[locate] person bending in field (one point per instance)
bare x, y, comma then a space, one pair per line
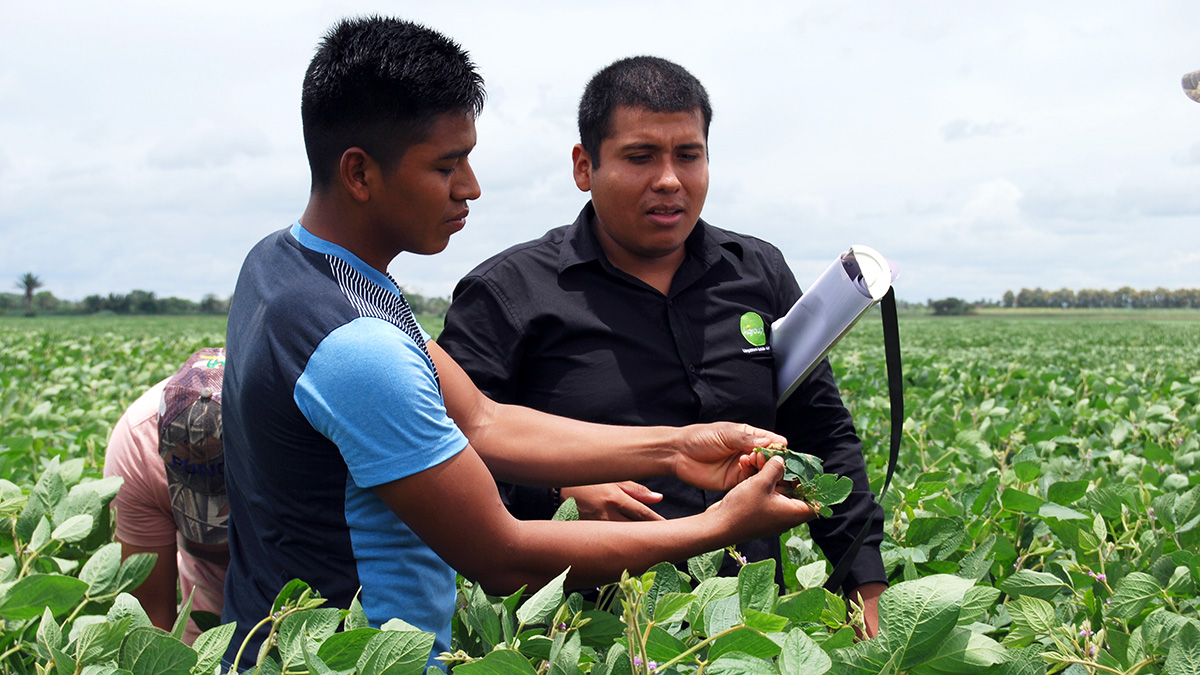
359, 456
167, 448
636, 314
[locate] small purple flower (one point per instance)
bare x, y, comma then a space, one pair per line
1092, 650
637, 661
562, 626
652, 666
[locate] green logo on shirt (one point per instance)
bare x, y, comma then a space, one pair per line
752, 329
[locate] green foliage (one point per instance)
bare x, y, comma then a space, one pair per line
809, 481
1045, 518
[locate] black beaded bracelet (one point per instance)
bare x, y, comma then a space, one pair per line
555, 498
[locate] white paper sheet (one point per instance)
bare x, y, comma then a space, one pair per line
825, 312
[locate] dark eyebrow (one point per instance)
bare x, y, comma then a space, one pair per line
456, 154
655, 146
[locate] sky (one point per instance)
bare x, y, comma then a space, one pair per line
981, 147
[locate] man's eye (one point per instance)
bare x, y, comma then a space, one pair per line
639, 159
688, 157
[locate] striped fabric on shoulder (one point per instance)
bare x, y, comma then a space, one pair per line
378, 303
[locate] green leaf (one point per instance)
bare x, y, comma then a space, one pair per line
1032, 617
568, 510
41, 535
1051, 510
150, 651
305, 626
1016, 500
210, 647
918, 615
313, 663
125, 605
1133, 592
49, 634
939, 536
740, 664
722, 614
1184, 657
181, 618
745, 640
805, 607
134, 570
100, 571
661, 645
100, 642
672, 606
482, 617
763, 622
811, 575
341, 651
706, 565
29, 597
1037, 584
1027, 471
63, 663
976, 603
801, 654
709, 590
826, 490
976, 563
290, 594
601, 630
46, 494
963, 651
543, 603
666, 580
499, 662
564, 659
396, 653
1066, 492
756, 586
356, 617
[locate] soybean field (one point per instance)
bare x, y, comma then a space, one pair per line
1043, 519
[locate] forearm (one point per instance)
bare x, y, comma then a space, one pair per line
597, 551
157, 594
521, 445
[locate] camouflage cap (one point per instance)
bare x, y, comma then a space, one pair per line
189, 441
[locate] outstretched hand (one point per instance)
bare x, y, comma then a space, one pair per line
758, 509
718, 455
614, 501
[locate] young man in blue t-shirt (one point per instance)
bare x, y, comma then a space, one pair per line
358, 454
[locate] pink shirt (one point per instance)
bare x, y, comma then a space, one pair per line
143, 507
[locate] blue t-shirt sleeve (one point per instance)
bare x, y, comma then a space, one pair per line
371, 390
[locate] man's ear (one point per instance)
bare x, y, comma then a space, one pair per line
358, 173
581, 162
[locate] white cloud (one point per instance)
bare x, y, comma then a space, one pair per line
983, 147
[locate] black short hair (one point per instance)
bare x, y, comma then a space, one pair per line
379, 83
641, 82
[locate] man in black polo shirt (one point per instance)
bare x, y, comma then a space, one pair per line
640, 313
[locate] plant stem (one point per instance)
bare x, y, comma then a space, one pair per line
697, 646
246, 642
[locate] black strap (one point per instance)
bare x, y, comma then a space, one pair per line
891, 350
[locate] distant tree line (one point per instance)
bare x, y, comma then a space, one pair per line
1124, 297
32, 302
135, 302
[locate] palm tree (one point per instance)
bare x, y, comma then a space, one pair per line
29, 282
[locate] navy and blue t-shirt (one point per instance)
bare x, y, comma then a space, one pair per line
328, 392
